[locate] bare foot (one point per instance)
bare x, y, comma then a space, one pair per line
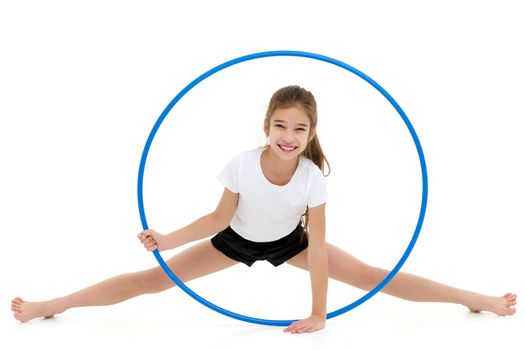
24, 311
501, 306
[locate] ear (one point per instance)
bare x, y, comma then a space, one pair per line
312, 134
266, 128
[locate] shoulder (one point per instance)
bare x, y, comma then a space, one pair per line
315, 182
237, 169
311, 169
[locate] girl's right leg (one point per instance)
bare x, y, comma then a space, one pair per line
197, 261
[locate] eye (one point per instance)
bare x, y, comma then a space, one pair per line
278, 126
300, 129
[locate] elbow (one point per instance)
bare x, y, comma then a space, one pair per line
318, 254
221, 221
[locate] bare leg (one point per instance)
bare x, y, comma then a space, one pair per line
194, 262
346, 268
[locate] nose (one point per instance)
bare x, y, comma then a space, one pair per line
288, 135
288, 138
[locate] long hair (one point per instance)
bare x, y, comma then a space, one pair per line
296, 96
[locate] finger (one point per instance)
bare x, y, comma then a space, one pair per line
147, 239
290, 327
150, 240
143, 234
150, 244
297, 328
294, 329
302, 329
290, 330
150, 248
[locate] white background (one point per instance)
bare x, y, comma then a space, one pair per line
81, 86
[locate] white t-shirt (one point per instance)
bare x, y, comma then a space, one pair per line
268, 212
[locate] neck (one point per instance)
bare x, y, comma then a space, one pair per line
279, 165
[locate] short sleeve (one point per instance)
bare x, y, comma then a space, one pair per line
229, 175
318, 192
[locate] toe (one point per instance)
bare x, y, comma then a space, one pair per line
510, 295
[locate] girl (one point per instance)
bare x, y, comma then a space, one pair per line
272, 208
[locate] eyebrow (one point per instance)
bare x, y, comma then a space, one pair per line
282, 121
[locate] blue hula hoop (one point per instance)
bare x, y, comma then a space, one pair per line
309, 55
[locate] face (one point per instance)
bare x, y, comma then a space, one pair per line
289, 132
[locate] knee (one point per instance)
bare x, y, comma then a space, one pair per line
371, 276
151, 281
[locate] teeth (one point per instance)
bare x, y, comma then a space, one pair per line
287, 148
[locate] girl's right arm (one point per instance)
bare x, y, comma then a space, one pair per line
201, 228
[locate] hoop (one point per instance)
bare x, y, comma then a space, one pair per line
309, 55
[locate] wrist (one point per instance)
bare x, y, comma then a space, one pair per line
319, 315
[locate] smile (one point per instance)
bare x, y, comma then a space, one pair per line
287, 149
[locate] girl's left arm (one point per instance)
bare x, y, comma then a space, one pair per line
318, 267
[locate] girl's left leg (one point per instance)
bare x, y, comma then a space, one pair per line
346, 268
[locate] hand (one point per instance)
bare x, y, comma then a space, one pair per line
152, 240
307, 325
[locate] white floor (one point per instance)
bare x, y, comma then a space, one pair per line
172, 320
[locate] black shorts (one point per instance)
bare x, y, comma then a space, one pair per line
276, 252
